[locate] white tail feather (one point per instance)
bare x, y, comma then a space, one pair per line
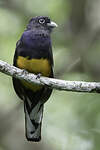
33, 122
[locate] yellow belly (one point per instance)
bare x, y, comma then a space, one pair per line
34, 66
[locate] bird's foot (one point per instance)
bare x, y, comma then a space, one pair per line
25, 71
38, 76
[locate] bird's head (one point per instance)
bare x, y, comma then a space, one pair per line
41, 23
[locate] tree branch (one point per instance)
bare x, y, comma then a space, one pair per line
75, 86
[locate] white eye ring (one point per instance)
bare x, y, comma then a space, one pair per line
42, 21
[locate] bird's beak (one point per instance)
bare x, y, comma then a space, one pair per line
52, 24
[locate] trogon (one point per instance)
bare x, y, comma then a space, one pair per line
34, 54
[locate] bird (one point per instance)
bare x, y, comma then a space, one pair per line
34, 54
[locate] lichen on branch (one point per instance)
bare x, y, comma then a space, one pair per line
75, 86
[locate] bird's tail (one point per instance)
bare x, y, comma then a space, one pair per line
33, 121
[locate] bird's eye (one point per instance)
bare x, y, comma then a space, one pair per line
41, 21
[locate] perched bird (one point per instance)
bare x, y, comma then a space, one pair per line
34, 54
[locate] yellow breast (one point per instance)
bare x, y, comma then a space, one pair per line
34, 66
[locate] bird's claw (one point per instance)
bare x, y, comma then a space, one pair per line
38, 76
25, 71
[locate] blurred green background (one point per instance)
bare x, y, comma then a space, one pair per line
71, 120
